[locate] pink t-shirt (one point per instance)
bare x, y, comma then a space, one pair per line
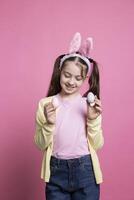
70, 139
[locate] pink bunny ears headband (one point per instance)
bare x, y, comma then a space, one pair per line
83, 49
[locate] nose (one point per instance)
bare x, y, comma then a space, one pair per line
71, 81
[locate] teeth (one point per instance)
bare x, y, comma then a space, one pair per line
70, 87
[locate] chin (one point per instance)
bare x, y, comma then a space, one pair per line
69, 92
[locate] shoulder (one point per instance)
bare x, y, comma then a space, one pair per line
84, 100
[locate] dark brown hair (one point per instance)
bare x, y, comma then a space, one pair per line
94, 78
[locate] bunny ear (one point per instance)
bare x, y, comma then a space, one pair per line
86, 47
75, 43
89, 45
83, 49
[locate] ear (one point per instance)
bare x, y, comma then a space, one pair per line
86, 77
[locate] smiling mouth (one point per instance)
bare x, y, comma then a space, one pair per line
68, 87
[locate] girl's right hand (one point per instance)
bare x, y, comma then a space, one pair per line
50, 113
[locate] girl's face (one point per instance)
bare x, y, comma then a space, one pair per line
71, 78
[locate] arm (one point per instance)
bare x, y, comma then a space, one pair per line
43, 130
94, 132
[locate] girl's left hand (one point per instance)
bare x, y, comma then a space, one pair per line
94, 111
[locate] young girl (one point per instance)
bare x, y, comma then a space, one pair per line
68, 128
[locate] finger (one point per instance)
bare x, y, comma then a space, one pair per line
51, 114
48, 112
98, 102
50, 107
96, 97
98, 109
52, 111
98, 113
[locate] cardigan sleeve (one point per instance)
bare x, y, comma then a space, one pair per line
94, 132
43, 130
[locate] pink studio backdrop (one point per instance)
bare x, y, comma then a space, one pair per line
32, 34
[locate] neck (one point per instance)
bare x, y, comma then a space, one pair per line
68, 96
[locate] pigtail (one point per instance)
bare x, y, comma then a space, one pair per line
94, 80
54, 86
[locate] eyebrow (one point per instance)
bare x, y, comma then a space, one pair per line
72, 74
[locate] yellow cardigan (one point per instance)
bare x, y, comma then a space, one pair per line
43, 138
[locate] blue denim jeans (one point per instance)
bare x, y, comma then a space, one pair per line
72, 179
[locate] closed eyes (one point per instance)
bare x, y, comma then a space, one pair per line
68, 75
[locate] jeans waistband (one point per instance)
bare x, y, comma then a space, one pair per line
79, 160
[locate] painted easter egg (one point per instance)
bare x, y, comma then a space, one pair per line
91, 98
55, 102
